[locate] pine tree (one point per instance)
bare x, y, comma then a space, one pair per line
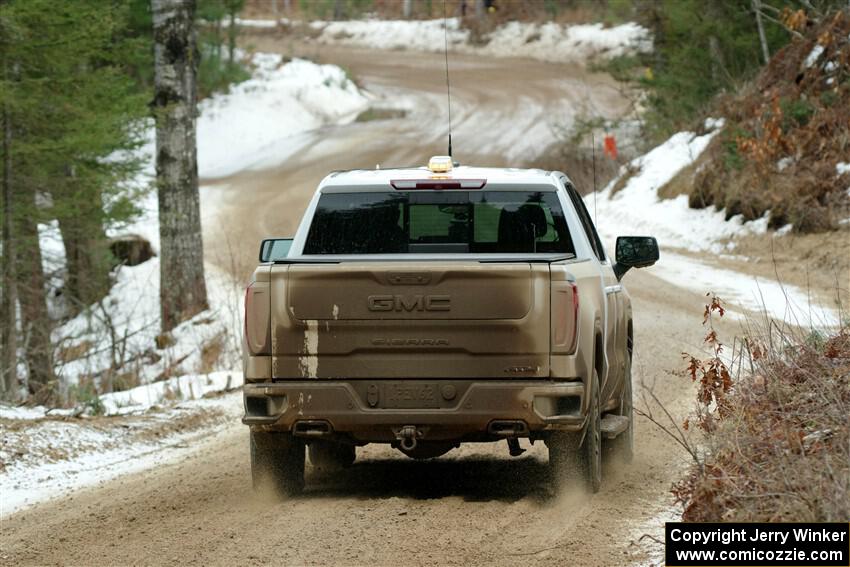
68, 105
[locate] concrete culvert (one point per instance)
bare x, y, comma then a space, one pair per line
130, 250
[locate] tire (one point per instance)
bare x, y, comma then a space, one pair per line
277, 459
331, 456
575, 456
622, 446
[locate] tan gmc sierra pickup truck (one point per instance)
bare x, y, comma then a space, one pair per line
427, 307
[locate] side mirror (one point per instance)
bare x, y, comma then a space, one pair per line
275, 249
635, 252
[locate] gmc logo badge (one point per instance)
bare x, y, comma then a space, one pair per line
409, 303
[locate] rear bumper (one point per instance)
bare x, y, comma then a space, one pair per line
456, 409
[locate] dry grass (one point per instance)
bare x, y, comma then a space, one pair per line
577, 163
565, 11
624, 179
210, 354
683, 182
779, 448
784, 135
66, 354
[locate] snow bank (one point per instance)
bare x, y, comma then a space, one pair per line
260, 24
637, 209
141, 398
417, 35
51, 458
255, 119
576, 43
548, 41
127, 323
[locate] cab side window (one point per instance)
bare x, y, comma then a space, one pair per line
586, 222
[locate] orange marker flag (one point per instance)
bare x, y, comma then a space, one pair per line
610, 146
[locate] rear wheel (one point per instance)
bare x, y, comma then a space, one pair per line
329, 455
575, 456
277, 459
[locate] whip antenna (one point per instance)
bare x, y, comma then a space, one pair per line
593, 153
448, 83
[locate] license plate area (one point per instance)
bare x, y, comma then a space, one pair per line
410, 395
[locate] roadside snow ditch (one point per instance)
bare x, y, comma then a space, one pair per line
637, 209
47, 456
549, 41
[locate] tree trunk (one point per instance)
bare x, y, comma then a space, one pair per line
480, 9
86, 251
9, 332
231, 37
183, 292
35, 321
762, 38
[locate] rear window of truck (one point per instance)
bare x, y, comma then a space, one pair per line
433, 222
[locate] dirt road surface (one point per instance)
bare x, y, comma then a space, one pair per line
474, 506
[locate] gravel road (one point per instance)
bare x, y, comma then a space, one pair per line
474, 506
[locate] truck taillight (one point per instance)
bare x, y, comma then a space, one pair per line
565, 312
247, 311
256, 330
575, 317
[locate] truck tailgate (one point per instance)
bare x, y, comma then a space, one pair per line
410, 320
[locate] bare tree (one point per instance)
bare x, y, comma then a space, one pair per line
480, 9
35, 320
762, 38
8, 349
183, 291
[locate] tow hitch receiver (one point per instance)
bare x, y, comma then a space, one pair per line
408, 437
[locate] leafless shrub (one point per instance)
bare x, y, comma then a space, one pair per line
777, 437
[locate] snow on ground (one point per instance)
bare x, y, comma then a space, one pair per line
256, 120
49, 458
141, 398
549, 41
253, 122
759, 296
261, 24
636, 209
573, 43
48, 453
415, 35
126, 327
813, 56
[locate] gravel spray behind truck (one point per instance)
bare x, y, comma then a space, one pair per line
428, 307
